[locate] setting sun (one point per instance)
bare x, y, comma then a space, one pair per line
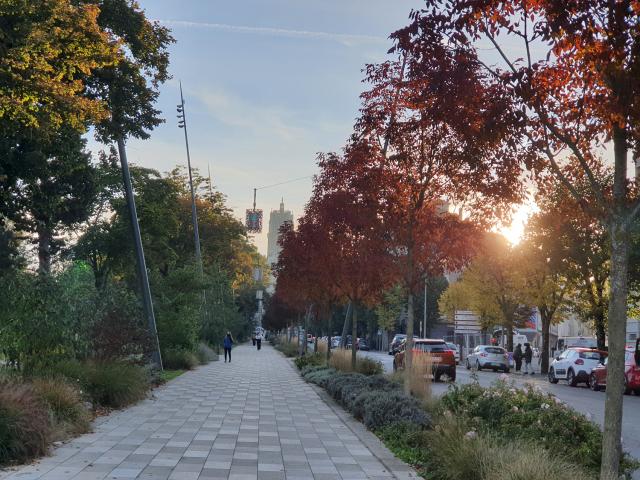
515, 230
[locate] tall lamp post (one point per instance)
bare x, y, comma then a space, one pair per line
147, 303
182, 123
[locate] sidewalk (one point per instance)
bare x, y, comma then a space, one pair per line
254, 418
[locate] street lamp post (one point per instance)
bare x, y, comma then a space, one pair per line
147, 302
182, 123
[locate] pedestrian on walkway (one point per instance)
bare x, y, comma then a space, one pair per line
228, 344
259, 339
528, 356
517, 357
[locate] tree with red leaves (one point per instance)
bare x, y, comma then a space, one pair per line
438, 132
346, 206
574, 86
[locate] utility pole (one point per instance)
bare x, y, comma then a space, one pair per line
182, 123
147, 303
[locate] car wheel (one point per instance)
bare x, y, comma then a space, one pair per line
507, 370
552, 376
571, 378
637, 392
478, 368
593, 383
468, 366
452, 376
436, 377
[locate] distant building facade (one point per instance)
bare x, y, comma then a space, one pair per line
277, 218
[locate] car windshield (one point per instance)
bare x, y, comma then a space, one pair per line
432, 347
494, 350
452, 346
590, 355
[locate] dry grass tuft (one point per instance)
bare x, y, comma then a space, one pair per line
322, 346
419, 376
70, 417
341, 360
25, 430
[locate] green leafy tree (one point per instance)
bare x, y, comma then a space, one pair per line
495, 292
49, 188
545, 278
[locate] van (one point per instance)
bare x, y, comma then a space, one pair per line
575, 342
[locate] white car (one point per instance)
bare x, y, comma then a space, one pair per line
488, 356
456, 351
575, 364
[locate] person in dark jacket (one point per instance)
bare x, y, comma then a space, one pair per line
528, 356
517, 357
228, 344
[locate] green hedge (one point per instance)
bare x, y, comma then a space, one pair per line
375, 400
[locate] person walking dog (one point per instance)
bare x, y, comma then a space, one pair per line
228, 344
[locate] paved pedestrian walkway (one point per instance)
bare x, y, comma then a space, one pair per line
254, 418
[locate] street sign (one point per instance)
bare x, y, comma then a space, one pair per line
465, 321
254, 220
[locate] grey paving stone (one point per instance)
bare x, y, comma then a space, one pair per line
252, 419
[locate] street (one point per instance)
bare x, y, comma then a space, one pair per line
581, 398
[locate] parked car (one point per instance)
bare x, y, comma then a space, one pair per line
310, 338
444, 362
394, 347
575, 365
598, 377
335, 341
456, 351
362, 345
488, 356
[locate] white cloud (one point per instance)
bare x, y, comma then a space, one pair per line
347, 39
261, 120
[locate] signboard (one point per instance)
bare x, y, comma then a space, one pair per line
466, 322
254, 221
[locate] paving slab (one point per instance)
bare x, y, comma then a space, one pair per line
251, 419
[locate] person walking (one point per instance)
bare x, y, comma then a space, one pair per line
528, 356
253, 338
228, 344
517, 357
259, 339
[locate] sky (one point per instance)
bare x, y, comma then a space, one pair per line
267, 86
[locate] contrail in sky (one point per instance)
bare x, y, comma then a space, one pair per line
346, 38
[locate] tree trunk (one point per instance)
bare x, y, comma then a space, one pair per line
345, 326
617, 329
617, 324
408, 351
328, 335
44, 250
599, 321
546, 328
354, 336
509, 337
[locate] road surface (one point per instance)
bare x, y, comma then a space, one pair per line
580, 398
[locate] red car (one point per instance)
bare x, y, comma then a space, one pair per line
598, 377
443, 358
